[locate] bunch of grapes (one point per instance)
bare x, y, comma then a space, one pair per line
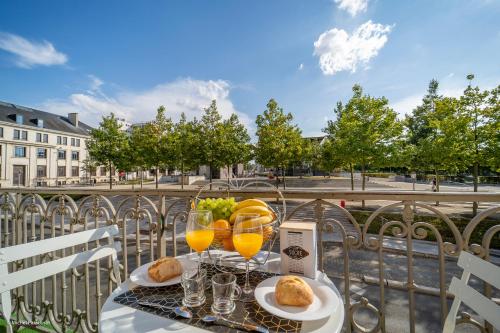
221, 208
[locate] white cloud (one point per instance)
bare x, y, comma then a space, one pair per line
183, 95
353, 7
301, 67
29, 53
338, 51
407, 104
95, 82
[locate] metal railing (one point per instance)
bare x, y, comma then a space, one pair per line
151, 221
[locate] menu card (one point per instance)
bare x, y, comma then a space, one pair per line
298, 248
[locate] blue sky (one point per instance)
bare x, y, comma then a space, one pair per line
96, 57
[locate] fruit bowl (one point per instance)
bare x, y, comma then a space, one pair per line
225, 209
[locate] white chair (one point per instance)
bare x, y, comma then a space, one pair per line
9, 281
482, 305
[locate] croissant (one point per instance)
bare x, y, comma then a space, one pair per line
164, 269
292, 290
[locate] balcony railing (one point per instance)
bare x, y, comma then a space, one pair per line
393, 264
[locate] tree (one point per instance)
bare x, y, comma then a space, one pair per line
476, 107
107, 145
235, 144
211, 139
364, 132
444, 149
89, 166
138, 150
182, 143
279, 141
156, 153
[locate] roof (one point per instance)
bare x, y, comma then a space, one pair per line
51, 121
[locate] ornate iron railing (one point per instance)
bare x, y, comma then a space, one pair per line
151, 221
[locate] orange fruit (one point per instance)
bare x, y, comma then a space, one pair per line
222, 229
228, 244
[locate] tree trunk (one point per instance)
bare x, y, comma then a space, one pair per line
210, 174
142, 177
284, 180
352, 176
363, 183
110, 178
182, 175
476, 181
437, 183
156, 177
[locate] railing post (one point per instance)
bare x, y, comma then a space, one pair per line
161, 245
318, 212
408, 219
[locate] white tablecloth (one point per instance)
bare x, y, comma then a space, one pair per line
120, 318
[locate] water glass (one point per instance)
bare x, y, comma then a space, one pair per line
193, 282
225, 292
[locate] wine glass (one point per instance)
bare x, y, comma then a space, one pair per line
247, 239
199, 231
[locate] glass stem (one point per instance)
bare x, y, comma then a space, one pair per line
247, 289
199, 263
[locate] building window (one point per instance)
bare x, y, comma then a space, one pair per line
61, 171
17, 134
45, 138
1, 132
75, 156
20, 135
75, 171
73, 142
61, 154
59, 141
103, 171
93, 171
19, 119
24, 135
41, 171
19, 151
41, 153
39, 123
78, 142
65, 140
38, 137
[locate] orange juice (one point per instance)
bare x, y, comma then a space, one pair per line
247, 244
200, 240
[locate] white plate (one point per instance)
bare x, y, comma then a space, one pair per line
325, 301
141, 277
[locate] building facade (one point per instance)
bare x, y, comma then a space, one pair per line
38, 148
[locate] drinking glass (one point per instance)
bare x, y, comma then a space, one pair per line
225, 292
247, 239
193, 282
199, 231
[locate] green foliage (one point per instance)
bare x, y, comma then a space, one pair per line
181, 143
279, 142
108, 145
365, 132
221, 142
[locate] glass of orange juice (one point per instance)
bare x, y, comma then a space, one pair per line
199, 231
247, 239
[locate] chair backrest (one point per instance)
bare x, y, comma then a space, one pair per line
9, 281
481, 304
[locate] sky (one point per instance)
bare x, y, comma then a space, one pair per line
128, 57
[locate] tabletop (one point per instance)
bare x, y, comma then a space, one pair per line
120, 318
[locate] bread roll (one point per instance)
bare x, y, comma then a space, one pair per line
164, 269
292, 290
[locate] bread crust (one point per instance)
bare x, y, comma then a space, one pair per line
164, 269
294, 291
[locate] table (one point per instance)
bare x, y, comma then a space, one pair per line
120, 318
